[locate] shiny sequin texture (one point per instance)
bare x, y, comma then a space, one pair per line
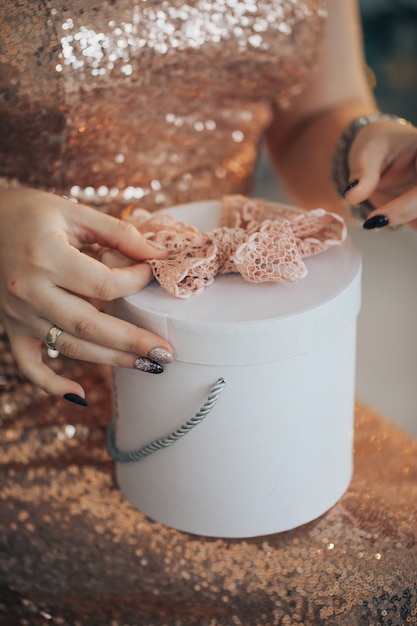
155, 103
152, 102
74, 552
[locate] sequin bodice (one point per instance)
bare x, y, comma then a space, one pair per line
152, 102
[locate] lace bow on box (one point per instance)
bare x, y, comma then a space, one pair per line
261, 240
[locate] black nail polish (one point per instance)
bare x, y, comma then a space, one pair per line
377, 221
144, 364
350, 186
72, 397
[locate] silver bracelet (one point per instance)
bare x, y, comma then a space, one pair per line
340, 166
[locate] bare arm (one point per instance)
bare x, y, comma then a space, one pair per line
301, 140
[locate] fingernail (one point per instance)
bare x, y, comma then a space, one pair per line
72, 397
377, 221
350, 186
144, 364
161, 355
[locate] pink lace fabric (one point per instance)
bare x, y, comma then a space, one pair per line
261, 240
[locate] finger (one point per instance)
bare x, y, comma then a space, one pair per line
86, 276
114, 259
27, 352
82, 320
366, 163
401, 210
113, 233
81, 350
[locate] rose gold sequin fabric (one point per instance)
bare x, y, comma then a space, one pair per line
74, 552
159, 101
152, 102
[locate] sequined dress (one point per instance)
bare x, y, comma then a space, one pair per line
154, 103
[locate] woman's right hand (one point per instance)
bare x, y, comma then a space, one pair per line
45, 281
383, 169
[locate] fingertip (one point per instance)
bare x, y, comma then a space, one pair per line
61, 387
126, 280
399, 211
141, 274
161, 355
135, 245
157, 250
376, 221
353, 183
75, 399
360, 188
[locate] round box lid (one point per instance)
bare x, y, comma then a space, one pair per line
233, 322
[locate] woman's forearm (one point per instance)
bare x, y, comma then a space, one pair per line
304, 161
302, 139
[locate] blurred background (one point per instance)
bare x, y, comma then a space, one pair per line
387, 324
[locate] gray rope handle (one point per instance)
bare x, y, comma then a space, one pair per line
130, 457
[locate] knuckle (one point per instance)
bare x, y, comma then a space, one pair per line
106, 289
16, 287
72, 349
131, 339
86, 329
35, 256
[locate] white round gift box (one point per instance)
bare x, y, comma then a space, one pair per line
275, 450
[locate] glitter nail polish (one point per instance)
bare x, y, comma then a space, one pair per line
144, 364
161, 355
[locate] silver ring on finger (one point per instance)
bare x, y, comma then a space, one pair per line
52, 337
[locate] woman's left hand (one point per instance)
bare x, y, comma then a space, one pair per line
383, 170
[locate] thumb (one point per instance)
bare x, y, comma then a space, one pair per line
116, 234
366, 163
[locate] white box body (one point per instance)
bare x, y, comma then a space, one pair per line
276, 451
